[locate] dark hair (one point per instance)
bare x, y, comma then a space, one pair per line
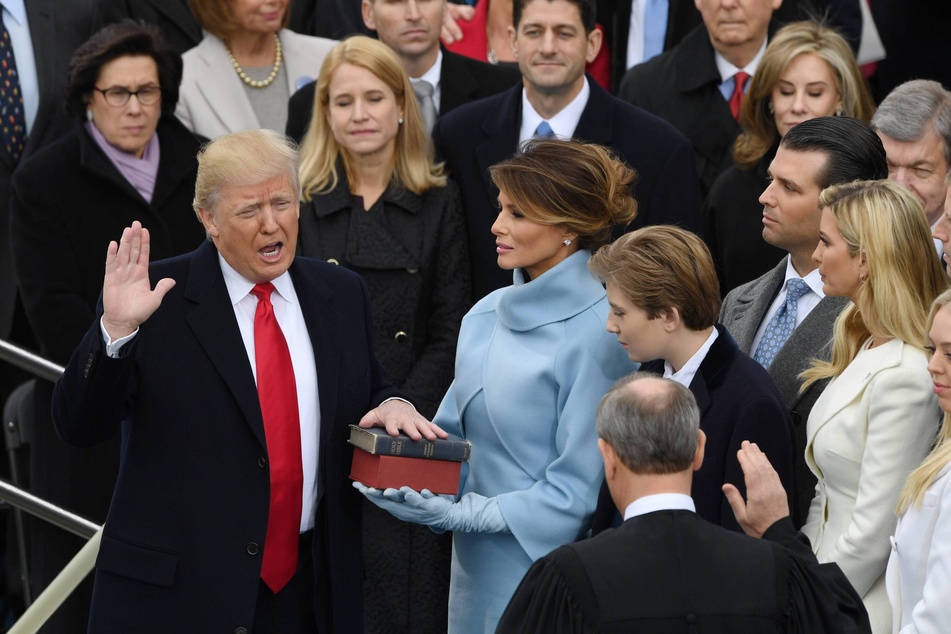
582, 187
122, 39
853, 151
587, 8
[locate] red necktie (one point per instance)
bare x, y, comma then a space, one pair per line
736, 99
277, 392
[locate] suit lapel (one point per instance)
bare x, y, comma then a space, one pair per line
751, 307
501, 131
42, 29
850, 384
214, 324
597, 118
456, 83
323, 326
813, 334
217, 86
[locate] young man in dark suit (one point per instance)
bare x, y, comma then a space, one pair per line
553, 40
234, 383
412, 29
666, 569
812, 156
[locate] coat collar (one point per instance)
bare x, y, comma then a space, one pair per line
340, 199
213, 321
565, 290
844, 389
457, 85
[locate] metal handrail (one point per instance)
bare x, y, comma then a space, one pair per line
50, 512
30, 362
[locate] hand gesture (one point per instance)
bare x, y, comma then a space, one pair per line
396, 416
450, 28
127, 296
765, 497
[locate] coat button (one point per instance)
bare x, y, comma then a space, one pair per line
333, 261
262, 461
412, 271
400, 337
241, 630
253, 548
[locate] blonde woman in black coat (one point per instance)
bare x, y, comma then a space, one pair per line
376, 203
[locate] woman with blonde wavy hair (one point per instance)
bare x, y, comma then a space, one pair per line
807, 71
918, 577
376, 203
875, 420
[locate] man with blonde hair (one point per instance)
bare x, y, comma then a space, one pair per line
234, 382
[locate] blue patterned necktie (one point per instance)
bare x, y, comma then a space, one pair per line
12, 119
781, 325
544, 131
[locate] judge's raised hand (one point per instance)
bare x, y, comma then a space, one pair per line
127, 296
765, 496
399, 416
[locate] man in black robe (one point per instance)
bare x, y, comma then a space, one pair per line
667, 570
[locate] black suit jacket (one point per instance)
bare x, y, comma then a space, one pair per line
181, 545
481, 134
461, 80
682, 86
737, 402
57, 29
179, 26
671, 572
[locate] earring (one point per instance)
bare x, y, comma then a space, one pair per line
862, 278
771, 108
88, 114
400, 120
567, 242
839, 110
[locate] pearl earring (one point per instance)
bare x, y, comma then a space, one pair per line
400, 120
838, 110
88, 114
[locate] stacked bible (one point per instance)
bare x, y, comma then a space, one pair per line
383, 461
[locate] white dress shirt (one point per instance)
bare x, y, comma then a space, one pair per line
685, 375
563, 124
433, 76
659, 502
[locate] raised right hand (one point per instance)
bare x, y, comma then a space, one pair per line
127, 296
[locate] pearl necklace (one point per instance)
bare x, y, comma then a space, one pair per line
278, 58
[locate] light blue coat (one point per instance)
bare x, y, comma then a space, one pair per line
533, 361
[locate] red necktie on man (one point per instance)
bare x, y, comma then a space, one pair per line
277, 393
736, 99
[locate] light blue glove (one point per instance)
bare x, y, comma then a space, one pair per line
473, 513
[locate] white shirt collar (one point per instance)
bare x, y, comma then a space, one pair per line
812, 280
16, 9
685, 375
434, 73
659, 502
564, 123
727, 70
239, 287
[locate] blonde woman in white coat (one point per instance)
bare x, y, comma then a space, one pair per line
242, 74
876, 419
919, 568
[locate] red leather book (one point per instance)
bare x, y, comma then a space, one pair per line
385, 471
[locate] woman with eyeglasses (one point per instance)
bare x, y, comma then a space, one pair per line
127, 158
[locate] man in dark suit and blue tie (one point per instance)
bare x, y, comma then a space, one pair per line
233, 511
553, 40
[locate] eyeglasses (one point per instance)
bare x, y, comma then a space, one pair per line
118, 96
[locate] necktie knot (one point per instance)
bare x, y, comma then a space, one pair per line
544, 131
782, 325
736, 99
263, 291
795, 288
423, 88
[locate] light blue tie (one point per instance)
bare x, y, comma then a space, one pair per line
544, 131
655, 27
781, 326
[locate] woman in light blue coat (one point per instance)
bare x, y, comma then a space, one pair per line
532, 362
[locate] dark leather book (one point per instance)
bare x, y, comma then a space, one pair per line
376, 441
